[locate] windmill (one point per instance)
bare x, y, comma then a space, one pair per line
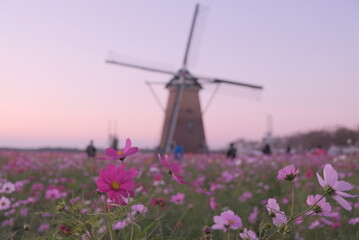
183, 116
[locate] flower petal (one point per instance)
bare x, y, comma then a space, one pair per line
330, 175
344, 203
320, 180
128, 145
218, 220
310, 200
344, 194
102, 186
342, 186
111, 153
131, 151
127, 185
104, 177
178, 179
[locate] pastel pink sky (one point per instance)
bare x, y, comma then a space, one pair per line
56, 89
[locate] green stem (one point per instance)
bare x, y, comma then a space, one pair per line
291, 212
149, 200
160, 223
177, 227
131, 231
154, 193
228, 235
260, 226
271, 235
307, 210
111, 234
108, 223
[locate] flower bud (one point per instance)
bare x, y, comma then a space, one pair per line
26, 227
267, 226
60, 207
283, 229
207, 230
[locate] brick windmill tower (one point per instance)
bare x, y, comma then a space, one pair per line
183, 122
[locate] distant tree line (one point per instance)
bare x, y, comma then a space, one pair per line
341, 136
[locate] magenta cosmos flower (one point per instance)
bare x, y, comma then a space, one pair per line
117, 183
319, 205
112, 154
335, 188
172, 168
227, 220
288, 173
275, 213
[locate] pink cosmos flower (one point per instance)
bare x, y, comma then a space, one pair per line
321, 208
119, 225
353, 221
43, 227
172, 168
227, 220
65, 230
335, 188
86, 236
37, 187
112, 154
24, 211
159, 202
309, 174
138, 209
102, 230
275, 213
117, 183
248, 235
8, 188
245, 196
213, 204
178, 198
157, 179
53, 194
314, 224
252, 218
10, 212
8, 222
4, 203
288, 173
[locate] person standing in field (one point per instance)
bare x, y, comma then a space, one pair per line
232, 151
178, 152
114, 143
91, 150
267, 149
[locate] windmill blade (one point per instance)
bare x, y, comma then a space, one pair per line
156, 83
155, 95
238, 83
140, 67
216, 80
190, 36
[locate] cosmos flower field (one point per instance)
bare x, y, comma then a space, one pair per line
53, 195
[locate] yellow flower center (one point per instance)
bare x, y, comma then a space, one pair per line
115, 185
231, 221
119, 152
